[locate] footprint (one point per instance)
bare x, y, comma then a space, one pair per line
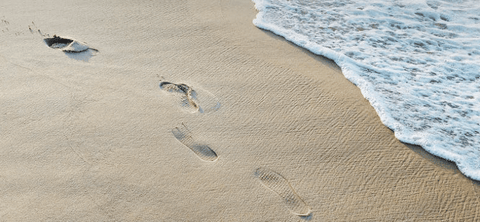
278, 184
192, 100
204, 152
187, 94
67, 45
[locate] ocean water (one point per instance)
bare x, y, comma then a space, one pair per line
416, 61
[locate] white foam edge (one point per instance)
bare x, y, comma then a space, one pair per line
349, 71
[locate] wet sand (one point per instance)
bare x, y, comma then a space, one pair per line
262, 130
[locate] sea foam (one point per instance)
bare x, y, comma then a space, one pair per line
417, 62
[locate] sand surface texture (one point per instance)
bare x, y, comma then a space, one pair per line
252, 128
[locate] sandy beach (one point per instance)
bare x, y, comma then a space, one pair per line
261, 130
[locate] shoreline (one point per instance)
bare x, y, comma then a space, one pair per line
100, 140
416, 148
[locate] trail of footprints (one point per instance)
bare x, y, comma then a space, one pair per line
201, 101
189, 100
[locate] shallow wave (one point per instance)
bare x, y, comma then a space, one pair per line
417, 62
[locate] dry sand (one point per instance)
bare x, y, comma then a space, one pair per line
89, 138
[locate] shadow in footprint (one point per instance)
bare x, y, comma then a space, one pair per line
278, 184
72, 48
82, 56
192, 100
204, 152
